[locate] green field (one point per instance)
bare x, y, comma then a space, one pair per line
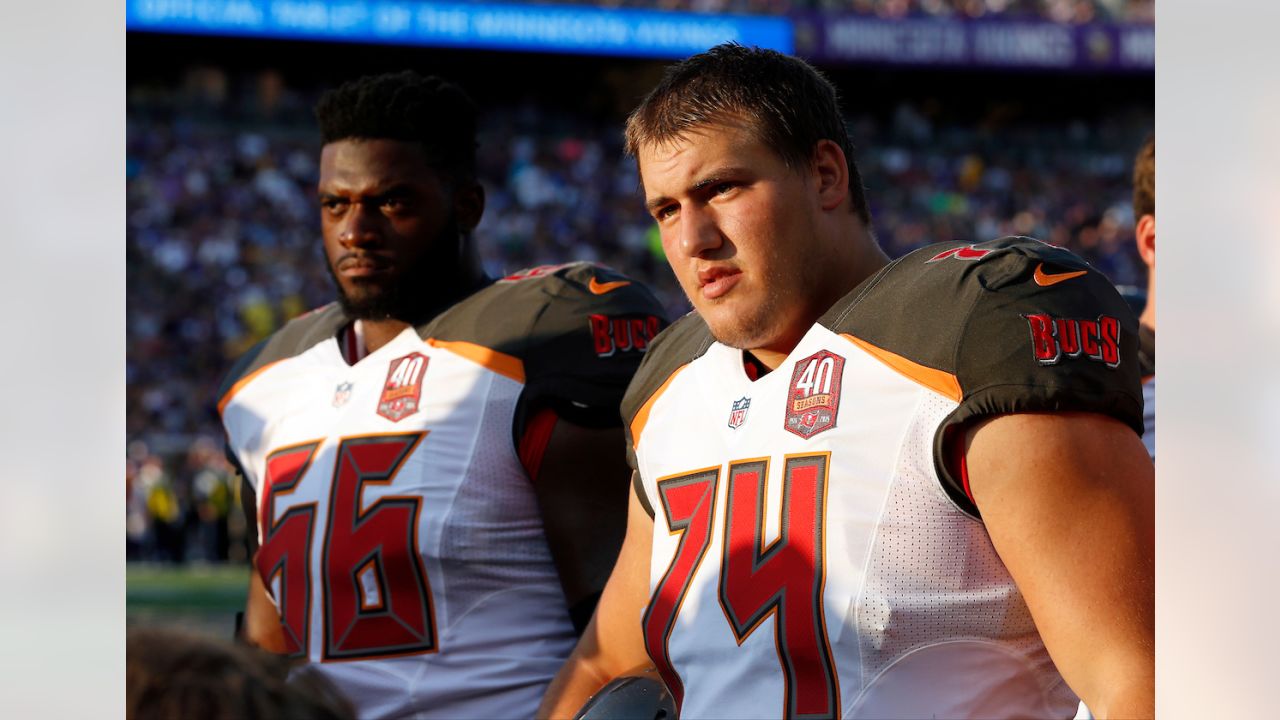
199, 598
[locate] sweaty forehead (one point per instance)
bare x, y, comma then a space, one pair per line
357, 164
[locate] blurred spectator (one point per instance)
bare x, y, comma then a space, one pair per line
170, 674
164, 511
211, 480
181, 508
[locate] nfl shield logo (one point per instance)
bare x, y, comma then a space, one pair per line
341, 394
738, 414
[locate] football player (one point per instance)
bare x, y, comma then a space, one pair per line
1144, 213
432, 462
866, 488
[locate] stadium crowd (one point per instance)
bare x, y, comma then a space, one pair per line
223, 245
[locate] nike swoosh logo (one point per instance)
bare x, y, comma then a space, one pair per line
1045, 280
599, 288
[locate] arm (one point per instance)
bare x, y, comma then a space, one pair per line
1069, 502
582, 486
261, 620
613, 643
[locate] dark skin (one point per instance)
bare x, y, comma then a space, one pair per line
397, 238
383, 208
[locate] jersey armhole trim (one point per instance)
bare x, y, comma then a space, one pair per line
960, 458
637, 486
642, 415
505, 365
239, 385
939, 381
533, 445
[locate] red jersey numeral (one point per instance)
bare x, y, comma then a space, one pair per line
377, 601
375, 591
284, 560
784, 579
689, 502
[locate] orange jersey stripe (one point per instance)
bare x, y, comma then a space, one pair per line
943, 383
642, 416
222, 403
505, 365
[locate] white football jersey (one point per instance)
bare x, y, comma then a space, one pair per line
400, 536
812, 556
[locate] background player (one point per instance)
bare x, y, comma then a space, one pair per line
424, 457
1144, 213
828, 481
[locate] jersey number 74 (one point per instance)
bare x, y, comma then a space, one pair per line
784, 579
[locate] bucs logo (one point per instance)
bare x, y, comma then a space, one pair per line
402, 392
623, 333
1055, 338
962, 253
814, 397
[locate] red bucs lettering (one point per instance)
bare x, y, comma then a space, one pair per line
534, 272
1052, 339
611, 334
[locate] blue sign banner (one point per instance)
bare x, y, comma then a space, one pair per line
543, 28
995, 43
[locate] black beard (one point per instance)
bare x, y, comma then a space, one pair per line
420, 291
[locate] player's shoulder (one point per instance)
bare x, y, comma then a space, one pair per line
529, 309
943, 271
934, 294
684, 341
292, 339
996, 264
581, 283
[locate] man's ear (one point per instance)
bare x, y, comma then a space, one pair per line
1145, 232
468, 203
830, 173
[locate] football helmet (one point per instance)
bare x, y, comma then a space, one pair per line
631, 697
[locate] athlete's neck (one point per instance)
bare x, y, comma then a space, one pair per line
1148, 316
380, 332
868, 260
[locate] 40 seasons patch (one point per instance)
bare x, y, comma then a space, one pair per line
613, 334
1053, 339
814, 396
738, 413
402, 392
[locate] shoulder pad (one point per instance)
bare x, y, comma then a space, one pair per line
297, 336
1016, 324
